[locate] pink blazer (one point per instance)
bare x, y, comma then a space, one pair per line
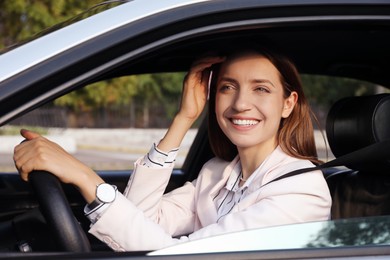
143, 218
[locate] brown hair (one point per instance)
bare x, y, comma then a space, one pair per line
295, 136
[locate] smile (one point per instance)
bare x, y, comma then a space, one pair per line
244, 122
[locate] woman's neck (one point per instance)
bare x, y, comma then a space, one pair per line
252, 157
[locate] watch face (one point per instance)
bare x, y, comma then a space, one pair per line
105, 193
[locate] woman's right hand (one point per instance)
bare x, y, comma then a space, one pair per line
39, 153
195, 87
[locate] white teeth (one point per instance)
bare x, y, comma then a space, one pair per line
244, 122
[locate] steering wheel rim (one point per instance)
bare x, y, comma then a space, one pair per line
55, 208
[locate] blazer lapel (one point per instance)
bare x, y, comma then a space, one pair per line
219, 184
216, 178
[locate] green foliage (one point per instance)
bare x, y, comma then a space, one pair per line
117, 91
164, 88
324, 91
147, 92
120, 91
172, 87
20, 19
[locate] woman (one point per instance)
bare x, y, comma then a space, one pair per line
260, 129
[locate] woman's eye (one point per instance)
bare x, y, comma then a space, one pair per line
225, 87
262, 89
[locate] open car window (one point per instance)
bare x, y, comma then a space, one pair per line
107, 125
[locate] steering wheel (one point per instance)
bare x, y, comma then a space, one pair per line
56, 210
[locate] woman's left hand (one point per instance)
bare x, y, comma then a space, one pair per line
195, 87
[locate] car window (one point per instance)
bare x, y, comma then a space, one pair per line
110, 124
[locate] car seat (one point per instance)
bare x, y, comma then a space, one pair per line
363, 188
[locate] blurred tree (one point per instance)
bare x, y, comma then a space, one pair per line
172, 86
324, 91
147, 92
162, 90
118, 91
20, 19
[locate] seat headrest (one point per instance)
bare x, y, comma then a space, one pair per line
357, 122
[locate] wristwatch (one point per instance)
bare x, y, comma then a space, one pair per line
105, 193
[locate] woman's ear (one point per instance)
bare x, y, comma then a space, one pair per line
289, 104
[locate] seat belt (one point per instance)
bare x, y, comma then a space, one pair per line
372, 153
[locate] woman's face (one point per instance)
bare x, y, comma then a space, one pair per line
249, 101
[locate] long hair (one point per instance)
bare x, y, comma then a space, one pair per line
295, 134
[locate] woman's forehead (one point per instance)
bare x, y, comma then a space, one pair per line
250, 64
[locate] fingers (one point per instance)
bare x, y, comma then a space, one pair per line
202, 64
31, 155
200, 71
39, 153
36, 153
24, 168
195, 89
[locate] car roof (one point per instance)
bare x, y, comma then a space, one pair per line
334, 37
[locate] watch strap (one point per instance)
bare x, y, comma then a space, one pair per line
95, 204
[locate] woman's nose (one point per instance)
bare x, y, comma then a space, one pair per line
242, 101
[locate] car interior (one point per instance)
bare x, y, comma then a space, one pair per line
360, 189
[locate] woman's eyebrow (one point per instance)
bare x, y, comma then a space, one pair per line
257, 81
263, 81
228, 79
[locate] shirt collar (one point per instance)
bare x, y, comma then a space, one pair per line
234, 178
